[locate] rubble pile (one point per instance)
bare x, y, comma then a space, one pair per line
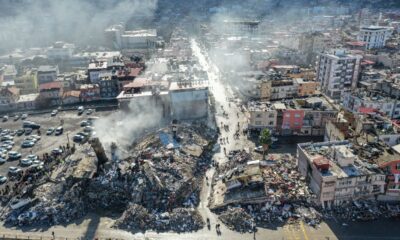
237, 219
283, 182
137, 218
157, 187
363, 210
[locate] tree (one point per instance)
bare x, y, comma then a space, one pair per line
265, 140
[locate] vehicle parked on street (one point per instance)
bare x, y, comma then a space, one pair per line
20, 132
54, 113
78, 138
50, 131
27, 144
57, 151
14, 171
3, 179
25, 162
81, 109
28, 131
59, 131
24, 116
13, 155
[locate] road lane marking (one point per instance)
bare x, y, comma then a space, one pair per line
303, 230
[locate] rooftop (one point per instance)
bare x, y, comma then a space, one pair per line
343, 158
47, 68
140, 33
28, 97
186, 85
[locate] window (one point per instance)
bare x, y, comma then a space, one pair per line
258, 122
258, 115
297, 115
397, 166
271, 115
287, 115
271, 123
296, 124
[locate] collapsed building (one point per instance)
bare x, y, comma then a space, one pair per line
161, 180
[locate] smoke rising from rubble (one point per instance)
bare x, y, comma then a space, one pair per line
124, 128
41, 22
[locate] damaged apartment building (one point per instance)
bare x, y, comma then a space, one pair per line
177, 100
337, 175
303, 116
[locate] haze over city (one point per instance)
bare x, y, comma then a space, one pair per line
208, 119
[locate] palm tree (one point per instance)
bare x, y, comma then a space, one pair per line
265, 140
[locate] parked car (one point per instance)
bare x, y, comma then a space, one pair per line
6, 138
259, 149
89, 111
81, 109
25, 162
88, 129
24, 116
27, 144
56, 151
6, 146
17, 117
14, 170
29, 124
32, 157
59, 131
2, 160
28, 131
85, 123
13, 155
78, 138
3, 179
37, 137
13, 133
50, 131
20, 132
9, 142
5, 118
54, 113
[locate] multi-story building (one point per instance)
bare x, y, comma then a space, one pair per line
27, 83
262, 115
375, 36
8, 98
89, 92
297, 116
60, 51
305, 88
361, 100
46, 74
108, 86
277, 89
118, 38
50, 93
336, 175
189, 100
337, 73
8, 74
311, 44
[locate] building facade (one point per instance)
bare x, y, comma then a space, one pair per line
375, 36
337, 73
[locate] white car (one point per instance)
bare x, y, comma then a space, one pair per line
32, 157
